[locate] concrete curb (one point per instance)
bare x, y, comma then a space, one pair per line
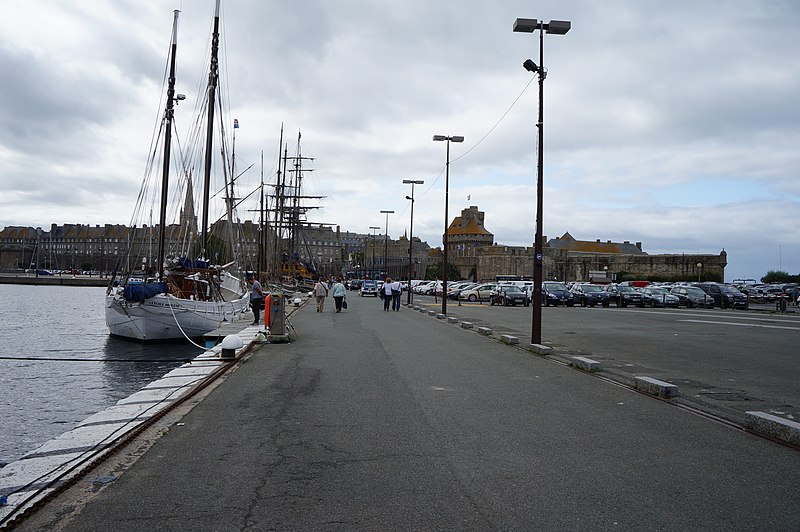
777, 427
656, 387
586, 364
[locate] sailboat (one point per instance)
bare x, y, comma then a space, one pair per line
178, 297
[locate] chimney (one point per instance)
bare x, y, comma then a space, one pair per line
639, 245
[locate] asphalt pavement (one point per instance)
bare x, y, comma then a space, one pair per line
374, 420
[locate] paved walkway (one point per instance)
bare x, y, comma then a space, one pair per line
378, 420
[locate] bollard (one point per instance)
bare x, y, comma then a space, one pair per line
229, 346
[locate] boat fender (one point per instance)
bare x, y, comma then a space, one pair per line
267, 309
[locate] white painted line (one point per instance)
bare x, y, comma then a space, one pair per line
744, 324
708, 313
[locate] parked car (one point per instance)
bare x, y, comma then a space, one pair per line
692, 297
622, 296
725, 296
587, 294
453, 293
659, 297
480, 292
556, 293
369, 288
44, 272
508, 295
355, 284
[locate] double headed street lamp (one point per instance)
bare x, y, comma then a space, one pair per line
411, 182
386, 242
558, 27
372, 270
446, 221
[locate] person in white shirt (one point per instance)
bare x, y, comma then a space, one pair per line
397, 291
387, 293
321, 292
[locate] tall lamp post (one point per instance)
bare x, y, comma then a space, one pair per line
386, 242
411, 182
699, 269
372, 268
558, 27
446, 221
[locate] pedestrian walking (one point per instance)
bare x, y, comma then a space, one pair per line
397, 291
386, 292
320, 292
338, 291
256, 297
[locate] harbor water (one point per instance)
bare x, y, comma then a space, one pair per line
58, 365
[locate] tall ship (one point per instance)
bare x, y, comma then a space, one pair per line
194, 283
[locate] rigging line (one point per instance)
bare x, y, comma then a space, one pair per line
169, 304
502, 117
60, 359
533, 78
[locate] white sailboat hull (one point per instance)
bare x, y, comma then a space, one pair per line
166, 317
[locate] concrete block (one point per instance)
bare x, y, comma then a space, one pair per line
586, 364
656, 387
466, 325
540, 349
441, 316
508, 339
486, 331
432, 313
777, 427
452, 319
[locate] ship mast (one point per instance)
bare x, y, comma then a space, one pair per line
213, 76
168, 116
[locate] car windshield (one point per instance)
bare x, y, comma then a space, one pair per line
625, 289
658, 291
695, 292
728, 290
370, 284
512, 289
555, 286
591, 288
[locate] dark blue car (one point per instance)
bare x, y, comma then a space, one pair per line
591, 295
556, 293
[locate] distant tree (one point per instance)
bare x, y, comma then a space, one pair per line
434, 271
775, 276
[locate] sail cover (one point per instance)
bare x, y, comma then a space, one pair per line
139, 292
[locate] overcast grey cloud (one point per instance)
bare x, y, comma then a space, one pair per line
676, 124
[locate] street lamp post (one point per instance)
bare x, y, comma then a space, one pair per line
699, 269
411, 182
372, 268
446, 221
386, 242
558, 27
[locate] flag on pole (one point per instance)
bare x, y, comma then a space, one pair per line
235, 123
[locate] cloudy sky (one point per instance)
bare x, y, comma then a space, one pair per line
676, 124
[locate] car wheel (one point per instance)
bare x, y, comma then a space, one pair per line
606, 304
571, 304
472, 297
583, 303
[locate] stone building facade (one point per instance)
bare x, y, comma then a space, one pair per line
466, 240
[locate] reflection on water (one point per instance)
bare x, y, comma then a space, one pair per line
41, 397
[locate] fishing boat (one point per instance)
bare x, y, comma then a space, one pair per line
177, 296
